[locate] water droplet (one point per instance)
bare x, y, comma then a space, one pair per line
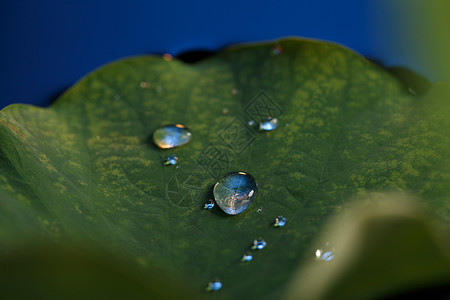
280, 221
326, 253
412, 91
269, 124
225, 110
209, 204
171, 160
235, 192
159, 89
251, 123
214, 286
287, 124
167, 57
171, 136
234, 91
247, 257
259, 244
116, 97
277, 49
144, 84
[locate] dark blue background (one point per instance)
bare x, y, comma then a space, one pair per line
46, 46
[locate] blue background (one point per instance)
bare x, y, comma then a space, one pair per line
46, 46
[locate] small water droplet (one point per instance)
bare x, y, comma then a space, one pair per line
251, 123
171, 160
144, 84
326, 253
116, 97
276, 50
209, 204
280, 221
259, 209
159, 89
167, 57
259, 244
412, 91
214, 286
287, 124
170, 136
269, 124
247, 257
235, 192
234, 91
225, 110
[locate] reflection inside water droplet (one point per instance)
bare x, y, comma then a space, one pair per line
235, 192
171, 136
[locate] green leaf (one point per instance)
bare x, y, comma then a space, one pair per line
385, 251
73, 273
85, 168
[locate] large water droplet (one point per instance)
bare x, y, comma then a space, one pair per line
326, 253
268, 124
280, 221
235, 192
214, 286
259, 244
171, 136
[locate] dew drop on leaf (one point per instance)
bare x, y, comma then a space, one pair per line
209, 204
214, 286
171, 136
259, 244
235, 192
326, 253
280, 221
171, 160
268, 124
247, 257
